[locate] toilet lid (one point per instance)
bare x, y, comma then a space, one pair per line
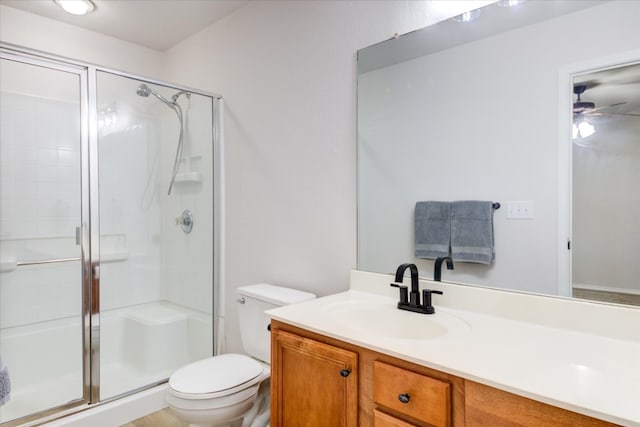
215, 374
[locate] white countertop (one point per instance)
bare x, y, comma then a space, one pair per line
580, 370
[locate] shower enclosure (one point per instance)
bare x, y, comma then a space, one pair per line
107, 232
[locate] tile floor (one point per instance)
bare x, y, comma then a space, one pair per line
163, 418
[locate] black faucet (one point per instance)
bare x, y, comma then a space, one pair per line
411, 302
414, 296
437, 267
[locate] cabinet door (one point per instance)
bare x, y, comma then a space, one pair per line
312, 384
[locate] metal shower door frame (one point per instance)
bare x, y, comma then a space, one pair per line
7, 53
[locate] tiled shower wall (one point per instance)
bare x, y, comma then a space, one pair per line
40, 166
39, 208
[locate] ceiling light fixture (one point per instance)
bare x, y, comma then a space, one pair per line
76, 7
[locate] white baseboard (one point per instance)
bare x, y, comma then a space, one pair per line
605, 289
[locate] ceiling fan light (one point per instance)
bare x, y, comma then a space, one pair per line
586, 129
76, 7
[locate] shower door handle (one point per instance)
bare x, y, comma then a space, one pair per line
78, 235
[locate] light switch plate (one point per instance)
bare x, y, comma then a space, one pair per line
520, 209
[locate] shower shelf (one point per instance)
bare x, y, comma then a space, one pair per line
190, 170
113, 247
189, 177
114, 256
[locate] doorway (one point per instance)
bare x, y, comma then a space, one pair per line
605, 172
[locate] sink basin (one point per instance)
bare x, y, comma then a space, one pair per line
384, 319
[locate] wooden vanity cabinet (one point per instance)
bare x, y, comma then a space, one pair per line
310, 387
295, 351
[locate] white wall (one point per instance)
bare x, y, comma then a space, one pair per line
287, 74
480, 122
36, 32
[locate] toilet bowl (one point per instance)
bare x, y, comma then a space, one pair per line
216, 391
232, 390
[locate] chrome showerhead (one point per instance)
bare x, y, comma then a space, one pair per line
143, 90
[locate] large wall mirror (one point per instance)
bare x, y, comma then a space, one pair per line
483, 110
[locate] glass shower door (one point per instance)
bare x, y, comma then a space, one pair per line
156, 279
42, 336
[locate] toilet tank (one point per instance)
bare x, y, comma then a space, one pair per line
253, 301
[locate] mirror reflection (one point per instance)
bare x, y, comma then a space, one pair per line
485, 115
605, 199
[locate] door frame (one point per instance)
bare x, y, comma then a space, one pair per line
85, 220
565, 156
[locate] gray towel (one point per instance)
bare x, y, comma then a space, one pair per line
472, 231
5, 383
432, 229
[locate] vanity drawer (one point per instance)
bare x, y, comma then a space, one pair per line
418, 396
380, 419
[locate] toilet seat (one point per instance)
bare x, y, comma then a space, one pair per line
217, 377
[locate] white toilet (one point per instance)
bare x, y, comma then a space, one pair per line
232, 390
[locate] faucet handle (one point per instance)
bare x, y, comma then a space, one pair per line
426, 298
404, 295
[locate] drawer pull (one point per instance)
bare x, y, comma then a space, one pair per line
404, 397
345, 372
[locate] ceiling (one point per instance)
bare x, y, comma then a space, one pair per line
616, 94
612, 86
156, 24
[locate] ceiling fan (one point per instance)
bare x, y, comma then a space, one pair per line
587, 108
